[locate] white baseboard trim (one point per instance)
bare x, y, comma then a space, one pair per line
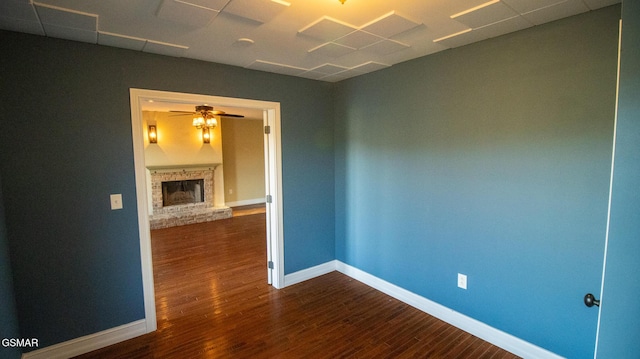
246, 202
309, 273
485, 332
89, 342
492, 335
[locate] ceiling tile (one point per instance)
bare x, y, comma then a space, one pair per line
369, 67
328, 69
185, 13
19, 10
121, 41
68, 33
597, 4
276, 68
67, 18
312, 75
208, 4
29, 27
557, 11
460, 38
524, 6
340, 76
485, 14
163, 48
386, 47
358, 39
389, 25
331, 49
257, 10
327, 29
515, 23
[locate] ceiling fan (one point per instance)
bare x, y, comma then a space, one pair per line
205, 116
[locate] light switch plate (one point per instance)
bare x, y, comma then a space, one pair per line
116, 201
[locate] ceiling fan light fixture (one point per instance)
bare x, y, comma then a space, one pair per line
198, 121
211, 122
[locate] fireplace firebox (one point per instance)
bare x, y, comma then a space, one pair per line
182, 192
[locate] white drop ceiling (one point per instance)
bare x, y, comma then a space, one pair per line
317, 39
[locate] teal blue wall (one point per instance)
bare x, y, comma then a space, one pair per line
491, 160
620, 322
65, 145
8, 316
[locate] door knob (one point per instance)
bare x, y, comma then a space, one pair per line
590, 300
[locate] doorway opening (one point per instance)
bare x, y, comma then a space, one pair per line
274, 263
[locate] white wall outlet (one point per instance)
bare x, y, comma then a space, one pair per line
230, 190
116, 201
462, 281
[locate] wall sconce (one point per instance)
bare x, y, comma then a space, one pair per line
206, 136
153, 134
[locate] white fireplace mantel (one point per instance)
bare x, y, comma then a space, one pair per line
184, 167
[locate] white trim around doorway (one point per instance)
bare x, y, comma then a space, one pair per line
273, 163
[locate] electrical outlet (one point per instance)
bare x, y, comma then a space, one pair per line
462, 281
230, 191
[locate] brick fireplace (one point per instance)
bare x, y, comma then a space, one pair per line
182, 195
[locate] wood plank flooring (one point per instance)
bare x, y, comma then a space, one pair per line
213, 302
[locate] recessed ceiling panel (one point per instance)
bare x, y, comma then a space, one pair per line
340, 76
163, 48
555, 12
515, 23
358, 39
257, 10
327, 29
490, 13
276, 68
369, 67
328, 69
185, 13
389, 25
209, 4
67, 18
313, 75
29, 27
597, 4
121, 41
461, 38
524, 6
21, 10
68, 33
386, 47
331, 49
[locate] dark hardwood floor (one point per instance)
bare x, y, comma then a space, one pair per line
213, 302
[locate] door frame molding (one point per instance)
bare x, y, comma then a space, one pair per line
273, 175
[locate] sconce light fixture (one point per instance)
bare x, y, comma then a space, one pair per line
153, 134
206, 135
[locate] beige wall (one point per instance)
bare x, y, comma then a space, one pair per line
243, 156
179, 143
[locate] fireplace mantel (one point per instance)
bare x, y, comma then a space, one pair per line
184, 167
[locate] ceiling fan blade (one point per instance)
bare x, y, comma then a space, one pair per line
230, 115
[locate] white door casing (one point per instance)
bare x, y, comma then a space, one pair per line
273, 184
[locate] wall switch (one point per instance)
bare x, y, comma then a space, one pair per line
462, 281
116, 201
